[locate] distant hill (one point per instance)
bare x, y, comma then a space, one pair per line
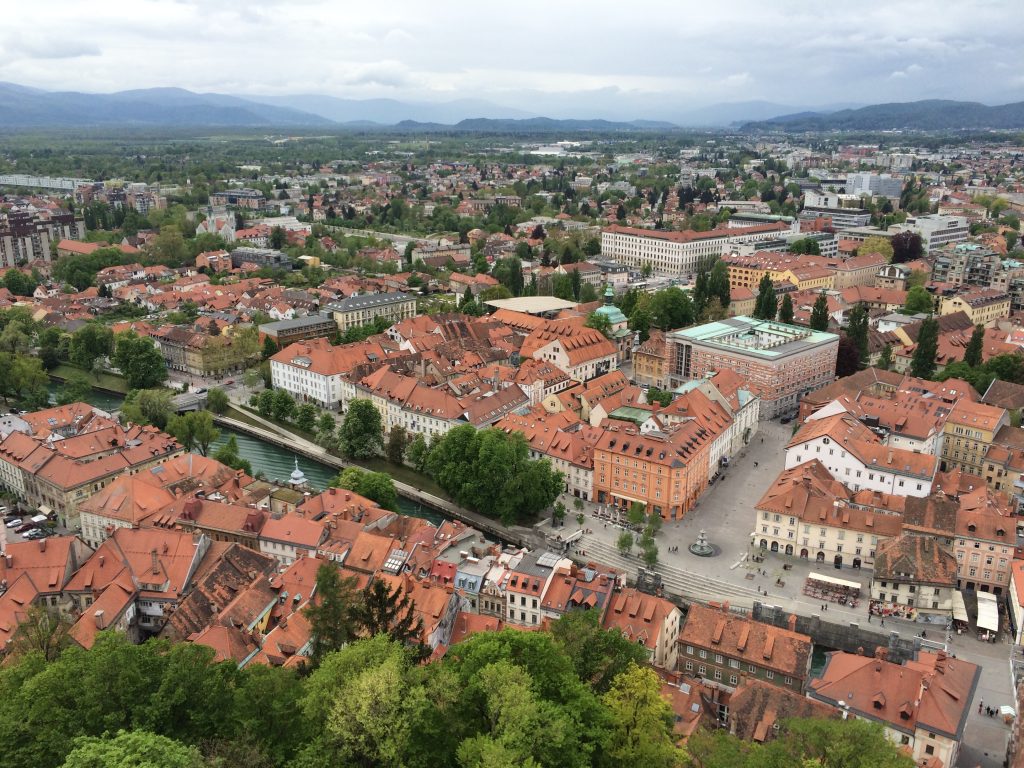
535, 125
22, 107
392, 111
929, 115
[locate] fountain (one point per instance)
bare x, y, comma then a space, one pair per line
700, 547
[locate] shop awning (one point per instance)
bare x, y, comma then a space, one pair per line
959, 607
833, 580
988, 612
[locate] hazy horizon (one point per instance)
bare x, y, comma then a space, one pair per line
560, 60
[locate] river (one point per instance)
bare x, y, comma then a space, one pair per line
275, 463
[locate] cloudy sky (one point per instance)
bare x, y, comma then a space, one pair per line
558, 57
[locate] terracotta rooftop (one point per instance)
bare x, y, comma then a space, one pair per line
915, 558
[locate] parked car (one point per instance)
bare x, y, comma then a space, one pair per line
14, 523
25, 528
785, 419
8, 518
35, 534
229, 382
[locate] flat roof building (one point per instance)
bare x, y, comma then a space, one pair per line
781, 362
363, 309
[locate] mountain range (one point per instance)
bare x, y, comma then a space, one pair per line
928, 115
27, 108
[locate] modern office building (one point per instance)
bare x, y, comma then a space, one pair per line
781, 362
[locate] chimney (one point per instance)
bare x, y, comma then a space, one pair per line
101, 559
42, 545
98, 617
155, 568
791, 622
9, 560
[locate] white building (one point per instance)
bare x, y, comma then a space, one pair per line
935, 231
677, 253
856, 457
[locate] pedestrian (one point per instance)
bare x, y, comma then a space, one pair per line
755, 463
883, 622
980, 704
869, 618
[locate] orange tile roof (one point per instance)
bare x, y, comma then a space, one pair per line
640, 617
751, 641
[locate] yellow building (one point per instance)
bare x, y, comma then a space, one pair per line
984, 305
363, 309
969, 432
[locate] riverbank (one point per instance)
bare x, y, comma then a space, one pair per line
273, 434
107, 383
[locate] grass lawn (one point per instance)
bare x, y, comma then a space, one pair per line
105, 380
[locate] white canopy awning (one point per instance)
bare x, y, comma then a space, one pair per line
959, 607
833, 580
988, 612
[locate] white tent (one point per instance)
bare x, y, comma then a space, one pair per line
988, 612
833, 580
959, 607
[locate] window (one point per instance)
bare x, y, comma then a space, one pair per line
769, 674
703, 653
929, 749
787, 680
689, 650
718, 674
689, 666
702, 670
733, 679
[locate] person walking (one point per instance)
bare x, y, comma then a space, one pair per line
980, 705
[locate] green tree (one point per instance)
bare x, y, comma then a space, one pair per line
598, 655
269, 347
718, 283
491, 471
398, 442
361, 434
42, 632
387, 611
217, 401
132, 749
325, 432
169, 247
625, 543
148, 406
637, 513
766, 305
332, 614
283, 406
922, 364
375, 486
885, 359
918, 301
806, 245
76, 389
194, 430
278, 238
786, 309
89, 343
876, 245
265, 403
139, 361
671, 308
229, 455
599, 322
906, 246
972, 355
417, 453
819, 313
305, 417
641, 721
857, 331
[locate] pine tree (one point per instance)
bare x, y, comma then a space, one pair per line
923, 363
332, 612
766, 306
857, 330
786, 309
819, 314
972, 356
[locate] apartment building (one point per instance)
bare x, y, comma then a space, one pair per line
857, 458
260, 258
314, 370
583, 353
251, 199
677, 253
666, 473
27, 236
647, 620
985, 542
715, 644
922, 705
983, 305
916, 572
363, 309
969, 432
806, 513
782, 362
650, 361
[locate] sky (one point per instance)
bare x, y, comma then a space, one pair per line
560, 58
